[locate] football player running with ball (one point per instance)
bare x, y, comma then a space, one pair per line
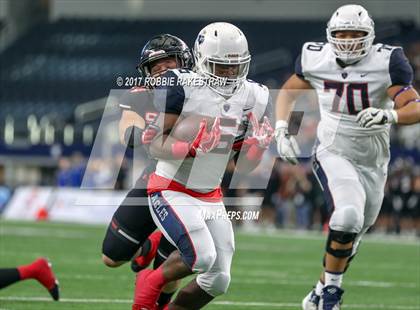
186, 183
362, 90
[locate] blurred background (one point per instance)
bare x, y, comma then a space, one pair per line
60, 59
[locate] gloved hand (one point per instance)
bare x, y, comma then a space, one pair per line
259, 140
373, 116
286, 145
203, 142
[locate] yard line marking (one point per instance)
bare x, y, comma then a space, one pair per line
224, 303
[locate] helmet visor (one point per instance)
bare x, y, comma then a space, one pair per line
354, 48
232, 70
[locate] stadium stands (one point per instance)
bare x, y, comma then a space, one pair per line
63, 64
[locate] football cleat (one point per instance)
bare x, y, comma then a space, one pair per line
145, 296
311, 301
43, 274
141, 262
331, 298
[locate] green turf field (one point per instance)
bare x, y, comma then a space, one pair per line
269, 271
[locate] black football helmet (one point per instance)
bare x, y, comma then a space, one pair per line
162, 46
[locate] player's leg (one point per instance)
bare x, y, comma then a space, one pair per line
39, 270
373, 180
164, 250
214, 282
130, 226
346, 196
179, 218
191, 294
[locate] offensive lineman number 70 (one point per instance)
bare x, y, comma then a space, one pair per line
350, 88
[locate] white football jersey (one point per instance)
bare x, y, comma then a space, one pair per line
345, 91
205, 172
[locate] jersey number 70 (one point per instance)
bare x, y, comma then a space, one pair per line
350, 89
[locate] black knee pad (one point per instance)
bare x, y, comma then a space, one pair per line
342, 238
117, 247
129, 228
164, 250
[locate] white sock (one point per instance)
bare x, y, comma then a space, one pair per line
318, 288
332, 278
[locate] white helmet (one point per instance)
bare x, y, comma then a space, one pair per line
351, 17
222, 44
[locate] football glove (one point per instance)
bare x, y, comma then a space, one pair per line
203, 142
260, 138
286, 145
262, 134
373, 116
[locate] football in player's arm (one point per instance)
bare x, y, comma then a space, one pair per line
166, 146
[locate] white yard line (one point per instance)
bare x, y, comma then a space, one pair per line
224, 303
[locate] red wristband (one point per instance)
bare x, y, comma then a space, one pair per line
180, 149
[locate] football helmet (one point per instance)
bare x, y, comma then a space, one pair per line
222, 45
351, 18
163, 46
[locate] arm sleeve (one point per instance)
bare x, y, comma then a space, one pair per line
400, 70
170, 99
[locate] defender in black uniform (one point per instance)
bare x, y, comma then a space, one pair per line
130, 235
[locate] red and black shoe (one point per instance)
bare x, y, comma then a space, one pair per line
151, 246
41, 271
145, 294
